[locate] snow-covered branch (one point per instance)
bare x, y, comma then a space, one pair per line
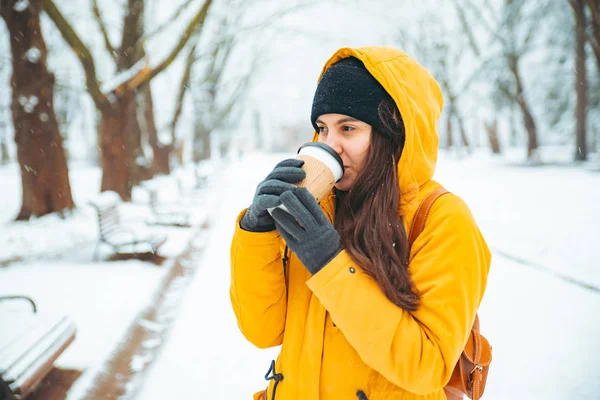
195, 26
81, 51
102, 27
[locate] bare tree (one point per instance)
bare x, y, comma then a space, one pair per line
492, 133
141, 120
512, 31
445, 59
594, 37
205, 74
44, 171
4, 107
4, 125
215, 97
183, 86
116, 103
593, 7
581, 81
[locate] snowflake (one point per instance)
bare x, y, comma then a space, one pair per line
33, 55
21, 5
28, 103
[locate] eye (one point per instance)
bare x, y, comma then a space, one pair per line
321, 129
347, 128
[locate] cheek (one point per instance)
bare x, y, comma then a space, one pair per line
360, 150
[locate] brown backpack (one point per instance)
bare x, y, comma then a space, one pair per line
471, 370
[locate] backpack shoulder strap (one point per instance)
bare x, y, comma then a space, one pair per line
421, 215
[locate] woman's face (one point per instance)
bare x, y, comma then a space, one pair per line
350, 138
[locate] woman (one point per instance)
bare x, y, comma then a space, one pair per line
359, 315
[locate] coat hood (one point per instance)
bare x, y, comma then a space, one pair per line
420, 101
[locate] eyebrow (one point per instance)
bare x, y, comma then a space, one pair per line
340, 121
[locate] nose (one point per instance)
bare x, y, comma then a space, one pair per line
333, 141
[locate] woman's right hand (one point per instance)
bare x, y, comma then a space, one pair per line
281, 179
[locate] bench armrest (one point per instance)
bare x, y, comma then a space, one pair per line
18, 297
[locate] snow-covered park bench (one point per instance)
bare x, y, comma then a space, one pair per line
29, 346
164, 215
123, 241
201, 176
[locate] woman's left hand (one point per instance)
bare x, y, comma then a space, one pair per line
306, 230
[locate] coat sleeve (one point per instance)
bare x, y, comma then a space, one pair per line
416, 351
257, 289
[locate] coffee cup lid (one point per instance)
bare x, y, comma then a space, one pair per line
326, 148
335, 163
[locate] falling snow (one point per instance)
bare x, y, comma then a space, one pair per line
165, 138
33, 55
21, 5
28, 103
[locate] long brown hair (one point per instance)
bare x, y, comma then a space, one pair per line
367, 215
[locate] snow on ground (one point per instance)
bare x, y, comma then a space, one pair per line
51, 260
544, 331
548, 214
206, 356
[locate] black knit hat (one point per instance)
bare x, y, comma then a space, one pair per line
348, 88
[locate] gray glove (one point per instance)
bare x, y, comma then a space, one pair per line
306, 230
281, 179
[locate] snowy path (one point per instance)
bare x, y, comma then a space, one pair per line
544, 331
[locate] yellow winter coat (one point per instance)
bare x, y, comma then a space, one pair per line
339, 333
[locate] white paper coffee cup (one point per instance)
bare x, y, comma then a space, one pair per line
323, 167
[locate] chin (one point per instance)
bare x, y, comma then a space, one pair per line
343, 186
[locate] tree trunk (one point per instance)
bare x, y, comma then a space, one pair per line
202, 145
114, 107
4, 155
139, 168
224, 144
530, 127
528, 120
492, 133
44, 171
463, 132
178, 151
130, 53
476, 124
580, 81
594, 11
116, 155
513, 126
162, 152
183, 87
449, 141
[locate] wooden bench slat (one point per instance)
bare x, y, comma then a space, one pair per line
9, 336
30, 378
108, 223
23, 346
107, 207
108, 214
22, 343
158, 241
37, 350
111, 231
